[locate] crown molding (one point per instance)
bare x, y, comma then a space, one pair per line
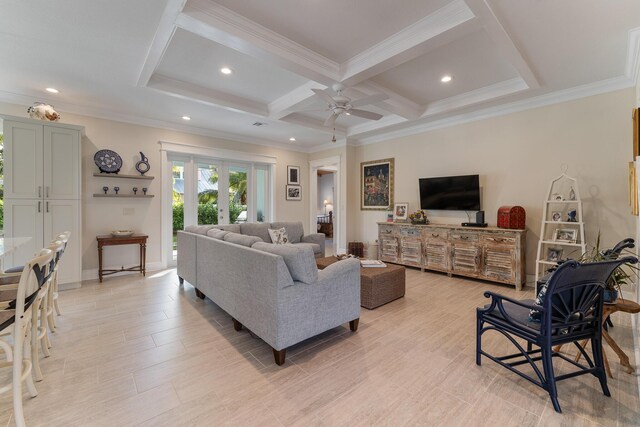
597, 88
101, 113
632, 68
286, 104
442, 20
233, 30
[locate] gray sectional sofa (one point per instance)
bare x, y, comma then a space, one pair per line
275, 291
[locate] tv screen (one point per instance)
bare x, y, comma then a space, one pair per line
453, 193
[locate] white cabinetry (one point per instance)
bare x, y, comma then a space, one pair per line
42, 189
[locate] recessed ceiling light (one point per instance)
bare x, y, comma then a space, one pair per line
52, 90
226, 70
348, 113
446, 79
292, 139
187, 118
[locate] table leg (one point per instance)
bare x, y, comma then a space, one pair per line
624, 359
144, 259
607, 368
100, 262
140, 258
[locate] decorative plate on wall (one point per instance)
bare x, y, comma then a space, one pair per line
108, 161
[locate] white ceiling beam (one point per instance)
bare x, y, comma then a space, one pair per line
503, 41
300, 97
221, 25
189, 91
404, 45
396, 104
376, 125
161, 40
298, 119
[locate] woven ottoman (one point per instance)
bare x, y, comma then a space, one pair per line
378, 285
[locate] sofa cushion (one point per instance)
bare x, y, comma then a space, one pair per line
279, 236
256, 229
299, 260
314, 246
295, 230
198, 229
234, 228
217, 234
240, 239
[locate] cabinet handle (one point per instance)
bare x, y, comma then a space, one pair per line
47, 191
39, 191
464, 237
39, 205
435, 234
47, 207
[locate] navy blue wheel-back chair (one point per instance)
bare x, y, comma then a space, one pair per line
570, 312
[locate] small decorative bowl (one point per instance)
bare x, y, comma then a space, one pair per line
122, 233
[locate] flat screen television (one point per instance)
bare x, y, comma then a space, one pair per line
451, 193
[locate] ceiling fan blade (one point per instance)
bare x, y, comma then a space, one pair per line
365, 114
324, 95
371, 99
331, 120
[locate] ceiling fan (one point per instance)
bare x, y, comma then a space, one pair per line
340, 104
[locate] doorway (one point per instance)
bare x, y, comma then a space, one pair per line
325, 204
325, 196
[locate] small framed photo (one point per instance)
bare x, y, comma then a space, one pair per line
557, 197
556, 216
293, 175
554, 254
568, 235
294, 192
400, 211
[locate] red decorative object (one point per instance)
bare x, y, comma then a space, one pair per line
513, 217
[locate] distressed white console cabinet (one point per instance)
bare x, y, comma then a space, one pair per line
490, 253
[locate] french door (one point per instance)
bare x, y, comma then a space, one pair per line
215, 191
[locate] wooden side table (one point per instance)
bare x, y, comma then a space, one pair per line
624, 306
109, 240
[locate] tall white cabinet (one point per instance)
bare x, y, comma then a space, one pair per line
42, 189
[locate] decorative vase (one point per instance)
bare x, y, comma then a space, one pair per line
610, 296
143, 165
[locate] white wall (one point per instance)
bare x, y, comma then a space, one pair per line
325, 192
100, 216
516, 156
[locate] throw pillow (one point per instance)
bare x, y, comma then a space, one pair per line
279, 236
535, 315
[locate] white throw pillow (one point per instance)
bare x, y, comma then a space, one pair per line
279, 236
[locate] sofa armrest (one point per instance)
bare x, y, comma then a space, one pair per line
317, 238
345, 271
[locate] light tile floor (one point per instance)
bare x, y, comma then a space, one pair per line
135, 351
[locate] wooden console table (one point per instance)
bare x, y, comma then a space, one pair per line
109, 240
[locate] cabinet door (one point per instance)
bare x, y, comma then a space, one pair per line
499, 263
389, 248
60, 216
23, 222
61, 163
436, 255
23, 154
411, 251
465, 258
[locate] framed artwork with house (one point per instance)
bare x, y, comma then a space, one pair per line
376, 185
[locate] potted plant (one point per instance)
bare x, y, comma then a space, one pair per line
620, 277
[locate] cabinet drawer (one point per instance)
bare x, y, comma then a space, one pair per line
385, 229
462, 236
498, 239
410, 231
435, 234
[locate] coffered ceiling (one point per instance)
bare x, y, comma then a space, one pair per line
154, 61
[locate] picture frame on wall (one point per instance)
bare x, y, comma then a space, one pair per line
293, 175
294, 193
376, 185
400, 211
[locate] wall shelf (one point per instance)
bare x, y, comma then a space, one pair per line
125, 195
121, 176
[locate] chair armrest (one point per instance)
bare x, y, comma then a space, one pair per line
317, 238
497, 301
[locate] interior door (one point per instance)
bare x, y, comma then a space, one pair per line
61, 216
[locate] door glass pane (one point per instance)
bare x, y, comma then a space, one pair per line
1, 185
261, 193
207, 194
237, 194
177, 202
